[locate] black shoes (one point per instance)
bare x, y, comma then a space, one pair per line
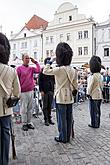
35, 115
58, 140
25, 127
46, 123
89, 125
30, 126
51, 122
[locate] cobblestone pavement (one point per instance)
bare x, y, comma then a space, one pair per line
89, 147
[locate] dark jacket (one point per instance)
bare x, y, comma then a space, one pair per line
106, 79
46, 82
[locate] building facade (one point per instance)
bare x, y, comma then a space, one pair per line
67, 26
28, 40
75, 29
103, 41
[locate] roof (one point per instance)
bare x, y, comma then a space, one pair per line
36, 23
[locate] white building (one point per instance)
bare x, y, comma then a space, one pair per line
103, 41
28, 40
75, 29
68, 26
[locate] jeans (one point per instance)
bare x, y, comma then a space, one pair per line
95, 112
64, 120
5, 123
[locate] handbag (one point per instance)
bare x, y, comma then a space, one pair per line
74, 91
11, 101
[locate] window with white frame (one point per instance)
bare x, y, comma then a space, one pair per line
51, 39
79, 50
106, 51
23, 45
68, 36
14, 56
86, 34
14, 46
80, 35
35, 55
85, 50
24, 35
60, 20
109, 33
51, 52
61, 37
47, 40
70, 18
35, 43
47, 53
103, 35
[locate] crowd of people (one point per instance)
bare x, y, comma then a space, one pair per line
56, 85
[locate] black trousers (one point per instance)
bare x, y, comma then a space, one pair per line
47, 103
106, 94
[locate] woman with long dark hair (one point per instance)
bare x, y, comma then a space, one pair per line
66, 80
9, 79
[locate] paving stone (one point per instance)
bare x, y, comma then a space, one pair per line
89, 147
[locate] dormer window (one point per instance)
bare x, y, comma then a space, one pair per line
70, 18
24, 35
60, 20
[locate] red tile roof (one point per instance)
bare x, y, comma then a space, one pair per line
36, 23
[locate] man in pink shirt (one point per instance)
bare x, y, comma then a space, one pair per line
25, 74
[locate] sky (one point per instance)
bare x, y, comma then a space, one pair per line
15, 13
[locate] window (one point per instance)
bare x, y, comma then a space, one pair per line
35, 55
47, 53
70, 18
14, 46
86, 34
24, 34
80, 35
85, 50
68, 36
109, 33
60, 20
47, 40
23, 45
94, 46
102, 35
35, 43
79, 50
61, 37
51, 52
106, 51
14, 56
51, 39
